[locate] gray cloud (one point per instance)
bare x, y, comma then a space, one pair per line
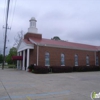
72, 20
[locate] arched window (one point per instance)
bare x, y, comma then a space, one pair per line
87, 60
47, 59
62, 59
97, 61
76, 60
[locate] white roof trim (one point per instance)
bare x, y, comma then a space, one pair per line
48, 45
56, 46
23, 46
32, 41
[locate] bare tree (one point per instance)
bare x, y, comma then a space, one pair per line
18, 38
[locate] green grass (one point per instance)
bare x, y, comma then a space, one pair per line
4, 66
11, 66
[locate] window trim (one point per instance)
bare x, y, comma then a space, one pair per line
88, 60
96, 61
47, 53
61, 59
76, 59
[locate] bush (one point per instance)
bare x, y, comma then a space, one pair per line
74, 68
61, 69
95, 68
86, 68
41, 69
57, 69
31, 67
68, 69
81, 68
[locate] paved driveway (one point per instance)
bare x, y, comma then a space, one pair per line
21, 85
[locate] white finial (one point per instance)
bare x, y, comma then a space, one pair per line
32, 28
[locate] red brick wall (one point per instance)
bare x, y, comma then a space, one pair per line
98, 54
55, 54
32, 35
33, 55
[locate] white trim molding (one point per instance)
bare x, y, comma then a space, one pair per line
37, 55
32, 41
67, 47
17, 61
20, 61
23, 60
28, 53
23, 46
95, 57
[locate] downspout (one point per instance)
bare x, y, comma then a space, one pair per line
37, 54
95, 57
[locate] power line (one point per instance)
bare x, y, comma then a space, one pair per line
13, 13
6, 27
4, 15
10, 12
4, 12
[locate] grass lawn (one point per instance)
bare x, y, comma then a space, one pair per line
9, 66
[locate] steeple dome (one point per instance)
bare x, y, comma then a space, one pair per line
32, 28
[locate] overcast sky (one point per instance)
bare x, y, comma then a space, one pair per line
71, 20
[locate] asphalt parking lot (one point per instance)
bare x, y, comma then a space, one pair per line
21, 85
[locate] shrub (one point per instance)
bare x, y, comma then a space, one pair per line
81, 68
96, 68
41, 69
68, 69
61, 69
86, 68
57, 69
75, 68
91, 68
31, 67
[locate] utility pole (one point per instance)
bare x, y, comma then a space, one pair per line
6, 27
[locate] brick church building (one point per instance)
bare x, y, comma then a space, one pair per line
34, 49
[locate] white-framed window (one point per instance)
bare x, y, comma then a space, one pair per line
97, 61
76, 60
47, 59
87, 60
62, 59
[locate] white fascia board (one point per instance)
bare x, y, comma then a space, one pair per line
67, 47
32, 41
24, 46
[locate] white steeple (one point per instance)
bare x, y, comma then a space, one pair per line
32, 28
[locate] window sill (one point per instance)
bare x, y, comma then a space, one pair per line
76, 65
47, 65
62, 65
